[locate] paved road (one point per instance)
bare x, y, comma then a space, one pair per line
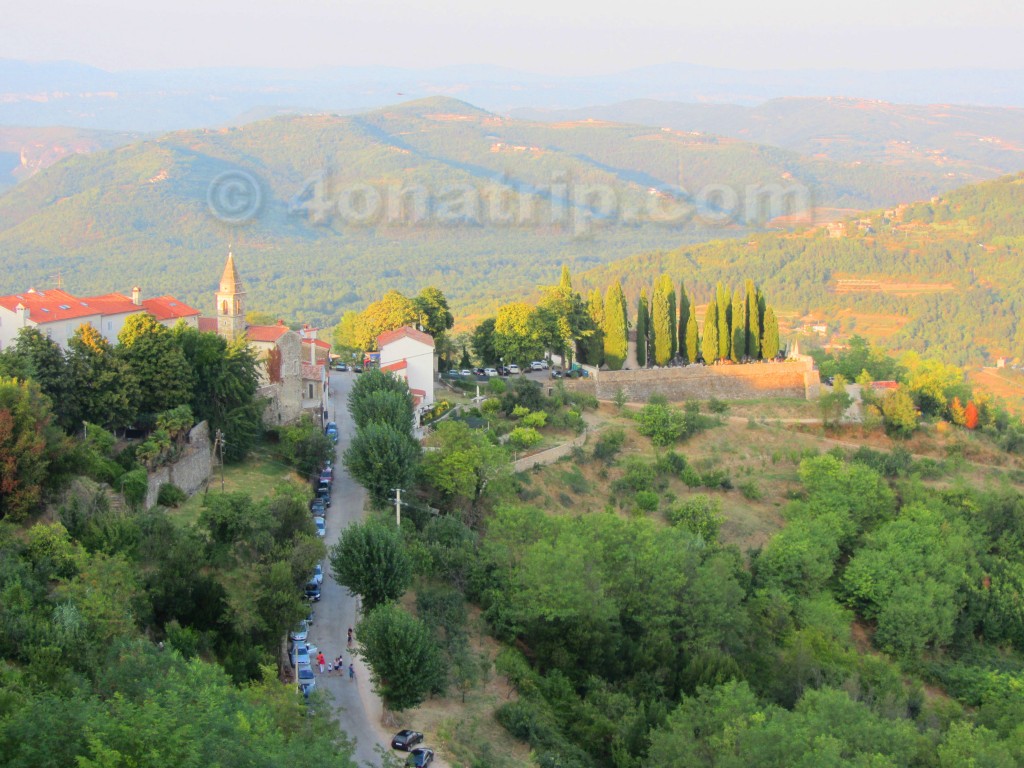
358, 708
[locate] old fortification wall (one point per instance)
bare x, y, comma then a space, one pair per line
190, 471
793, 378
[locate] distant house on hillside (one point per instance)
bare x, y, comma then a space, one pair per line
58, 314
409, 354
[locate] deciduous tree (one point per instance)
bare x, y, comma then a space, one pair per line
370, 559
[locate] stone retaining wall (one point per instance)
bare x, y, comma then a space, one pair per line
793, 378
190, 471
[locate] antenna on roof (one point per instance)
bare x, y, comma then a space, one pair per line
59, 279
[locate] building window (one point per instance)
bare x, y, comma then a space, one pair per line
310, 391
224, 307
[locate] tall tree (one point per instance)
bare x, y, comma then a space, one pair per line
27, 445
724, 328
405, 659
518, 332
738, 318
642, 329
753, 322
770, 335
35, 355
392, 311
710, 347
662, 326
482, 342
595, 344
157, 362
616, 327
692, 342
435, 316
381, 458
561, 319
370, 559
685, 352
105, 390
673, 315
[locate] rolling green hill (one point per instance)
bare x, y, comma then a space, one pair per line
944, 275
432, 191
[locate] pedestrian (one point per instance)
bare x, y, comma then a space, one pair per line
339, 663
350, 635
351, 672
330, 667
321, 661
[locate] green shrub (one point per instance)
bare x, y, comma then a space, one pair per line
717, 406
639, 476
170, 495
496, 386
524, 437
133, 487
716, 478
535, 419
700, 514
646, 501
751, 490
576, 481
609, 443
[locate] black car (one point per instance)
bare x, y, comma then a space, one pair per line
357, 368
420, 757
313, 592
406, 740
318, 508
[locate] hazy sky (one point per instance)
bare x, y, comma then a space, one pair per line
566, 37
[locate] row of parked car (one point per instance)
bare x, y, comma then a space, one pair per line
409, 741
323, 485
301, 654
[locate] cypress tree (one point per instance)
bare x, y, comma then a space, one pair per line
692, 344
662, 327
595, 342
710, 341
616, 334
753, 323
673, 317
724, 332
686, 352
770, 337
641, 330
738, 319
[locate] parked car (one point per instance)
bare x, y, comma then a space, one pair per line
556, 373
318, 508
406, 740
318, 574
465, 372
420, 757
306, 680
300, 654
300, 632
340, 367
321, 527
324, 495
313, 592
490, 372
513, 370
536, 365
331, 430
357, 368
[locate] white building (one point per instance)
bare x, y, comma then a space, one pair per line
409, 354
58, 314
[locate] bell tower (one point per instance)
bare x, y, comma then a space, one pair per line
230, 302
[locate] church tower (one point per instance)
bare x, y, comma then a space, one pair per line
230, 302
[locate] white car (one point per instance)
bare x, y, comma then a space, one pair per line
536, 365
465, 372
321, 526
490, 372
513, 370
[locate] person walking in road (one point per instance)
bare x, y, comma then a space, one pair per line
321, 661
350, 635
351, 672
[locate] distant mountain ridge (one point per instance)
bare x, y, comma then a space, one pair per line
505, 202
67, 93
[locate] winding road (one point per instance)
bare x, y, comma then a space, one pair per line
357, 708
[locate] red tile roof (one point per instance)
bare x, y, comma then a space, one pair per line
266, 333
317, 343
208, 324
310, 371
168, 308
53, 305
389, 336
399, 365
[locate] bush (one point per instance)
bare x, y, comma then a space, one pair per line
646, 501
717, 406
535, 419
662, 423
716, 478
496, 386
170, 495
751, 491
609, 443
576, 481
133, 487
700, 514
639, 476
524, 437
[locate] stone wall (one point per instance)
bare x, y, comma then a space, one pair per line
190, 471
793, 378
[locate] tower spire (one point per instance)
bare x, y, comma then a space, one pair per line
230, 301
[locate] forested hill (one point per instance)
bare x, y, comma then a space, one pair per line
504, 203
945, 275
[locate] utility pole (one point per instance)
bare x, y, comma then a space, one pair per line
398, 507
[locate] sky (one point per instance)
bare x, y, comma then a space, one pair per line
570, 37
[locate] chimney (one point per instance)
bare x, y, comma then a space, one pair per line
22, 312
137, 296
